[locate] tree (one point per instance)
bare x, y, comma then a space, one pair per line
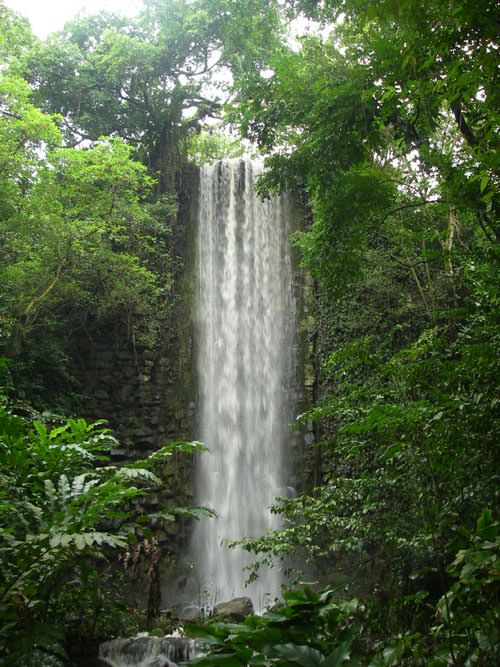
108, 231
77, 241
15, 35
150, 80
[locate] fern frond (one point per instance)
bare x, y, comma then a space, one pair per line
64, 489
50, 492
36, 511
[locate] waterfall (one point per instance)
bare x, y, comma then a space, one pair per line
245, 325
144, 651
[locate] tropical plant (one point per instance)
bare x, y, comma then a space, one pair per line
320, 628
309, 629
65, 514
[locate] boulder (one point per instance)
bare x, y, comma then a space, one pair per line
237, 609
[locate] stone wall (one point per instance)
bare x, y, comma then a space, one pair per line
145, 394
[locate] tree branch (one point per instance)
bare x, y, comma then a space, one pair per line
464, 128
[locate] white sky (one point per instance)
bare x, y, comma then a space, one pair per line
46, 16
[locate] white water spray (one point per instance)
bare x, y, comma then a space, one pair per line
246, 370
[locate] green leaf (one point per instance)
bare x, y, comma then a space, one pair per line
41, 429
487, 528
64, 489
66, 539
393, 653
115, 541
55, 541
348, 605
139, 473
300, 655
195, 512
36, 511
339, 655
78, 484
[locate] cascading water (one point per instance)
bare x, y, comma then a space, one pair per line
144, 651
246, 370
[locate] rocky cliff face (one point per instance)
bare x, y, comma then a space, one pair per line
147, 393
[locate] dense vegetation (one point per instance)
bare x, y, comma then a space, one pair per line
391, 127
387, 121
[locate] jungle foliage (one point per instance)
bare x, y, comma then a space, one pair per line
97, 126
68, 522
385, 117
389, 121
